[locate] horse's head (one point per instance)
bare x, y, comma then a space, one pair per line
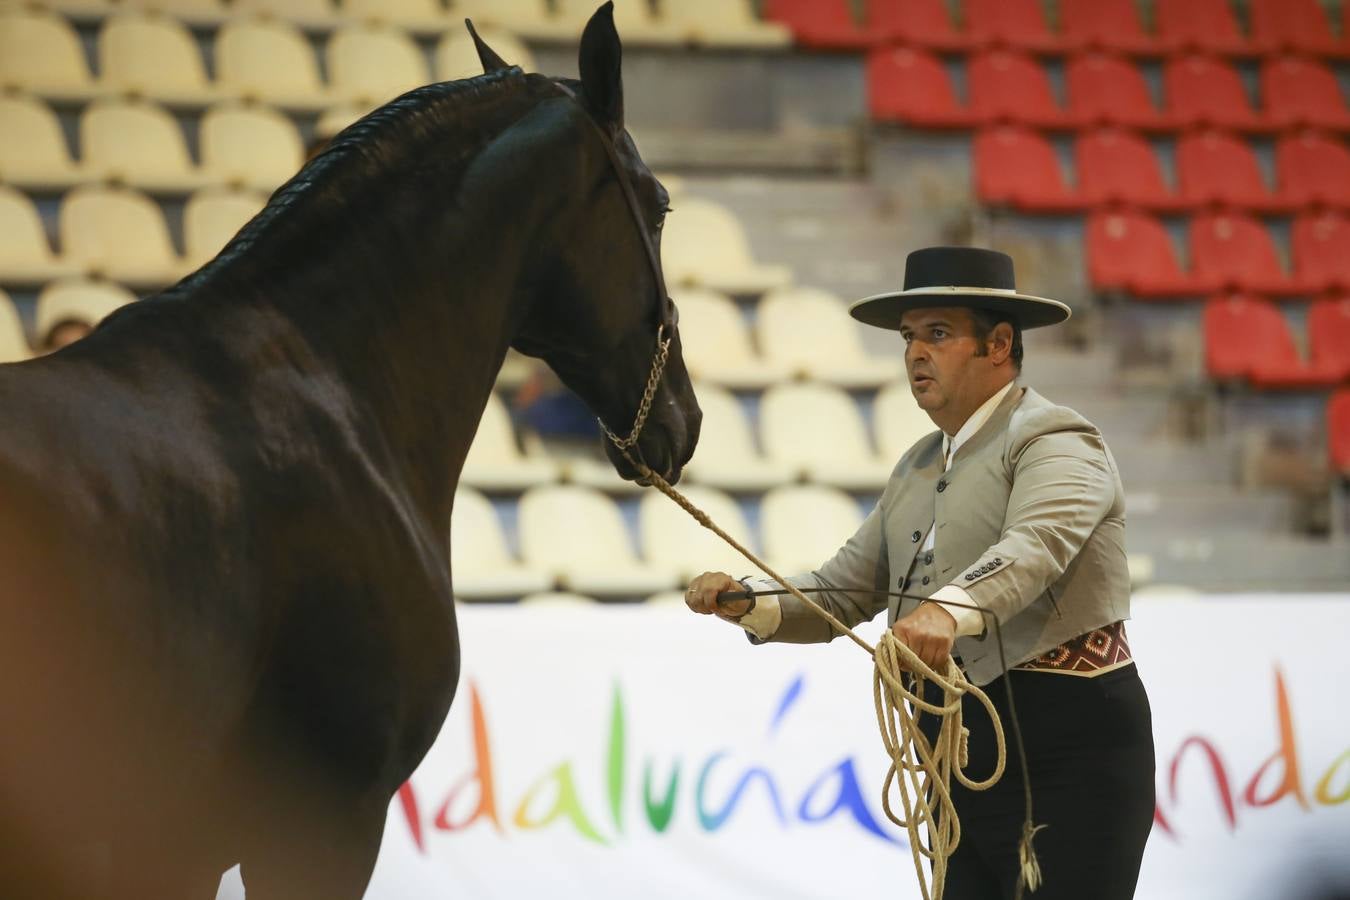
601, 316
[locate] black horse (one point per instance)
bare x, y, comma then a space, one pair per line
227, 629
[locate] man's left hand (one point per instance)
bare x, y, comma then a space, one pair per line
929, 631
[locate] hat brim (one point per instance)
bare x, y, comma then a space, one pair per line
885, 310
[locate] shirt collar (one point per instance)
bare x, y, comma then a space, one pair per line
976, 421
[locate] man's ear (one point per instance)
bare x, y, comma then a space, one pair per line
1002, 340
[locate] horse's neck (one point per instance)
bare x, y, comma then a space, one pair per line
415, 337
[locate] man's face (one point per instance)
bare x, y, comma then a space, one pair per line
945, 373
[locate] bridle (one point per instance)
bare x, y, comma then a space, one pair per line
670, 316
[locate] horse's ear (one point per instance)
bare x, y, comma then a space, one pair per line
600, 61
486, 55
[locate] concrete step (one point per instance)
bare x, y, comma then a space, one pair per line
1184, 511
1239, 562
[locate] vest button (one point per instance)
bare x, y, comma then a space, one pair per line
928, 559
942, 486
925, 579
915, 537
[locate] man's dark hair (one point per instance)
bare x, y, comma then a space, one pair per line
984, 322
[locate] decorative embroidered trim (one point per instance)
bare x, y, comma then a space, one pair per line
1094, 653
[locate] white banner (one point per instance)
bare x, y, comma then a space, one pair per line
647, 753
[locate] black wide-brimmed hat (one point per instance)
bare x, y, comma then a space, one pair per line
959, 276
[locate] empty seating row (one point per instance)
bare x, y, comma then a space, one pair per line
67, 300
807, 432
140, 144
268, 60
1133, 253
1248, 339
116, 233
1338, 431
121, 233
711, 22
576, 538
1181, 25
1017, 167
909, 85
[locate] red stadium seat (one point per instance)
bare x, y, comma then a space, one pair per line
819, 23
1313, 170
1019, 24
925, 23
1201, 90
1011, 87
1111, 25
1018, 167
1205, 25
1214, 168
1118, 167
1130, 251
1321, 250
908, 85
1329, 335
1302, 92
1107, 90
1248, 338
1236, 251
1338, 431
1293, 26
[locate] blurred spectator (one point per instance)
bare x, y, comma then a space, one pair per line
548, 409
69, 310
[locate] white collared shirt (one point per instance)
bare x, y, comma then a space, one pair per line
767, 615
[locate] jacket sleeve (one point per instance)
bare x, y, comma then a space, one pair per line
860, 563
1063, 487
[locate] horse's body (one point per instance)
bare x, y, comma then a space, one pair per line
227, 627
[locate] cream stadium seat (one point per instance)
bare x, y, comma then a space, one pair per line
527, 18
426, 17
635, 19
119, 234
726, 457
189, 12
578, 533
672, 539
137, 143
250, 146
717, 344
336, 118
818, 430
374, 64
13, 344
703, 244
804, 525
77, 299
153, 56
559, 600
810, 332
724, 23
74, 10
212, 218
495, 463
899, 421
480, 563
269, 61
318, 15
33, 153
457, 58
40, 53
26, 257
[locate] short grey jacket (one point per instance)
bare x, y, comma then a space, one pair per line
1030, 522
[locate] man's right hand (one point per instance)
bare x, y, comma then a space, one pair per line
702, 596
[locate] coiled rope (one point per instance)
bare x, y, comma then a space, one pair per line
921, 772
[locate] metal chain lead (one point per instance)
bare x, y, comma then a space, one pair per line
648, 395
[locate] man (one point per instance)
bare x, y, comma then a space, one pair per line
1014, 506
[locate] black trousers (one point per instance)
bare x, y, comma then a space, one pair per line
1089, 746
